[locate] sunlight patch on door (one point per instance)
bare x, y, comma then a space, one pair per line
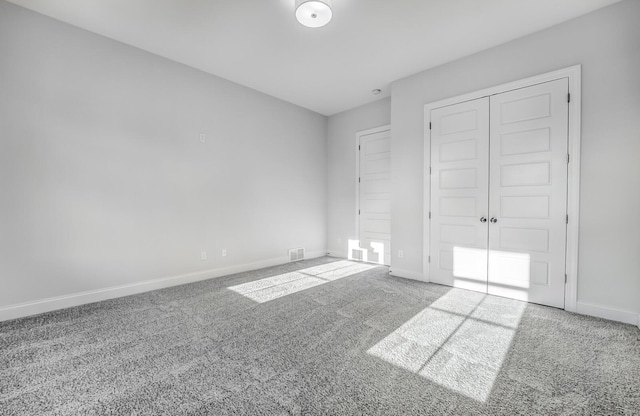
470, 263
513, 272
510, 268
275, 287
460, 341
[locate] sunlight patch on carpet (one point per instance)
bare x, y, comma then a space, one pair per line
275, 287
460, 341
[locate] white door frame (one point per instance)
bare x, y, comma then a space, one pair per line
573, 73
359, 135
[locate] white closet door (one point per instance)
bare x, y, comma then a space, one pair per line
459, 194
375, 198
528, 193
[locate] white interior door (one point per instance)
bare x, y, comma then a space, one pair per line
504, 159
528, 193
375, 198
459, 194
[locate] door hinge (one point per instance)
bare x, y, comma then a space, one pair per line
429, 170
565, 278
358, 147
567, 218
568, 157
429, 125
429, 214
358, 180
429, 259
358, 212
568, 97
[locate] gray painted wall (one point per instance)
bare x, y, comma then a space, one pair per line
607, 44
104, 181
341, 142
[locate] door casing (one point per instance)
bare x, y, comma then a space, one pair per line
573, 74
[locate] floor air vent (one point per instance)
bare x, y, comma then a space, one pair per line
296, 254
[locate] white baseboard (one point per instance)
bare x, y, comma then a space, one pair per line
608, 313
21, 310
407, 274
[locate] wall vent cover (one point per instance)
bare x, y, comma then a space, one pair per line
296, 254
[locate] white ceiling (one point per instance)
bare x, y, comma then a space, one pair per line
367, 45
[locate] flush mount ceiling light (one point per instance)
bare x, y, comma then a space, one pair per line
313, 13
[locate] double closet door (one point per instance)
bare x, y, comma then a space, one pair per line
499, 194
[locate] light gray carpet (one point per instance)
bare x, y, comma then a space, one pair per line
331, 339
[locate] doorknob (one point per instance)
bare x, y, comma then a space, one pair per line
483, 219
493, 220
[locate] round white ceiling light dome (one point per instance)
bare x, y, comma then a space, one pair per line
313, 13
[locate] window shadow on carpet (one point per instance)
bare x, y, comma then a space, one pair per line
459, 341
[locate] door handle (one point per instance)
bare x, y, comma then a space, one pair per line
493, 220
483, 219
